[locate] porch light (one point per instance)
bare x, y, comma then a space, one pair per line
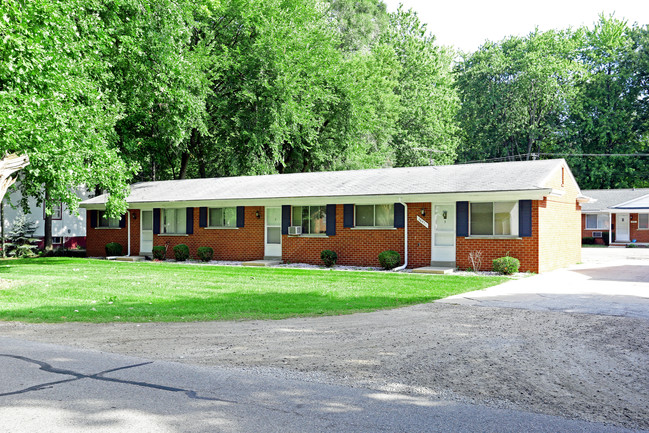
444, 214
423, 211
257, 214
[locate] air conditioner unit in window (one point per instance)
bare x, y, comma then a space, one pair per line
295, 230
597, 234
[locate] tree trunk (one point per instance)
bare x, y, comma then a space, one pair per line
47, 237
2, 229
184, 162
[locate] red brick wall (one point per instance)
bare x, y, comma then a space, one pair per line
640, 235
245, 243
361, 247
97, 238
524, 249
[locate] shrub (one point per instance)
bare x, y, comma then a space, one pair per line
159, 252
329, 257
205, 253
587, 240
631, 246
389, 259
22, 242
181, 252
475, 258
605, 238
506, 265
113, 249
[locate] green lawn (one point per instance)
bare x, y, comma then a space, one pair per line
90, 290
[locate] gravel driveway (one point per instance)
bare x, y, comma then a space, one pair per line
591, 367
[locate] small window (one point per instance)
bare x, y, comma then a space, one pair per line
105, 221
597, 222
57, 213
313, 219
222, 217
494, 219
174, 221
643, 221
375, 215
57, 240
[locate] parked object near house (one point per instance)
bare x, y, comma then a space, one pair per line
68, 230
436, 215
618, 216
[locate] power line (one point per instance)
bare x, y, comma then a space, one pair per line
533, 156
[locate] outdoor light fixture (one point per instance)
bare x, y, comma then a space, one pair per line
134, 216
257, 214
423, 211
444, 214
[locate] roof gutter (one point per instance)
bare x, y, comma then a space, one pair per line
405, 247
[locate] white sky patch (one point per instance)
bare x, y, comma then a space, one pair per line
467, 24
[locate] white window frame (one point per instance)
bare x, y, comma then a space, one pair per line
646, 224
210, 223
374, 216
163, 216
106, 223
513, 217
603, 222
299, 223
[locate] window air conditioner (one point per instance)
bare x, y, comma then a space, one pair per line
295, 230
597, 234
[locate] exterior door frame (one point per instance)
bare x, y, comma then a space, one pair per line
142, 231
272, 250
443, 254
622, 219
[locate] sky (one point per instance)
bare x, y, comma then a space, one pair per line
467, 24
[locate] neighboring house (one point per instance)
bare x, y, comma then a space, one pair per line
618, 216
430, 215
68, 230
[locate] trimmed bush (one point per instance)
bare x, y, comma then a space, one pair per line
159, 252
389, 259
506, 265
181, 252
329, 257
205, 253
113, 249
587, 240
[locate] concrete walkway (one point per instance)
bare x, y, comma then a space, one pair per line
610, 281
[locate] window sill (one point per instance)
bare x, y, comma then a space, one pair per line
108, 228
172, 234
220, 228
309, 236
493, 237
372, 228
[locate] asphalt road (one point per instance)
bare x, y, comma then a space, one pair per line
53, 388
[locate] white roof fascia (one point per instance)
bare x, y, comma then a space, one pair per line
537, 194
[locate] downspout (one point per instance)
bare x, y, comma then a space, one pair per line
610, 228
405, 226
128, 225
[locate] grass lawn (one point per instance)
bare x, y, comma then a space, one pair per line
91, 290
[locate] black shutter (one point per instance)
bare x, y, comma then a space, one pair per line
348, 215
331, 220
241, 215
190, 221
156, 221
122, 221
93, 218
525, 218
399, 216
202, 217
286, 219
462, 218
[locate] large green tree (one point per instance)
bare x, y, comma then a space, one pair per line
427, 130
515, 94
54, 105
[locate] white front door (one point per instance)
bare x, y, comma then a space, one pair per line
273, 235
622, 227
443, 233
146, 232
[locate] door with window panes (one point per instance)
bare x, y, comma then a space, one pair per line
273, 234
146, 232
